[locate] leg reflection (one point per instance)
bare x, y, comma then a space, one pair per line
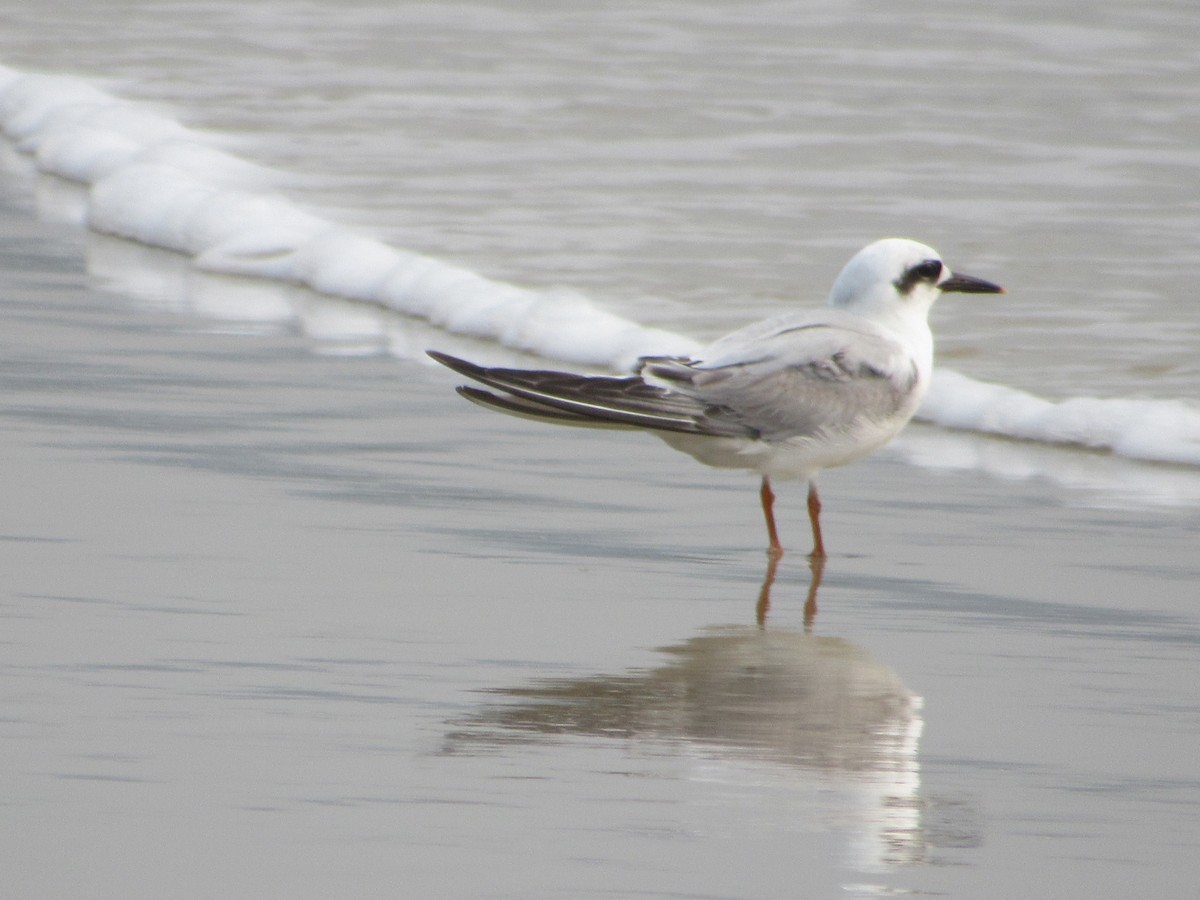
816, 565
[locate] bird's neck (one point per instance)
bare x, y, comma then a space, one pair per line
915, 331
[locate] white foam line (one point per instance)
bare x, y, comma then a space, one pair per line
154, 181
1165, 431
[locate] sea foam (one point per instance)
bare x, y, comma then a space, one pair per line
152, 180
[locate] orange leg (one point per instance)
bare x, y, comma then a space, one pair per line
814, 516
775, 550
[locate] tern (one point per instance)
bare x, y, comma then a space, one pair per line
785, 397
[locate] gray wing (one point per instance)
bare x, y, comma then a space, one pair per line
594, 400
773, 380
799, 378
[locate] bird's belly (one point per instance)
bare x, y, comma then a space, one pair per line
799, 457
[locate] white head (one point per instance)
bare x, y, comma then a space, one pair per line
899, 278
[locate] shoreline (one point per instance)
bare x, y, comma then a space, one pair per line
259, 588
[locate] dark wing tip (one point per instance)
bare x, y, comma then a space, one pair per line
461, 366
530, 409
597, 401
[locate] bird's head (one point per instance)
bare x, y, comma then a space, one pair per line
899, 277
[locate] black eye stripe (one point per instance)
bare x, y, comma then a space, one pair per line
929, 270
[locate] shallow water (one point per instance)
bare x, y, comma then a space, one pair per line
285, 618
290, 624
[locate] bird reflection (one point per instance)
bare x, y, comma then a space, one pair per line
816, 565
801, 704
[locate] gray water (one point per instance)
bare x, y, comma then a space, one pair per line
700, 164
283, 618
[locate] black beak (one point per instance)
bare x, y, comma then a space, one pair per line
966, 284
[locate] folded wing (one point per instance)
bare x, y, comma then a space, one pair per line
793, 378
798, 376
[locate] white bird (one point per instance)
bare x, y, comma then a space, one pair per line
785, 397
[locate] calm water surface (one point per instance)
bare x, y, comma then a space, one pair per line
280, 623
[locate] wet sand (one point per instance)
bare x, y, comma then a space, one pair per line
281, 620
